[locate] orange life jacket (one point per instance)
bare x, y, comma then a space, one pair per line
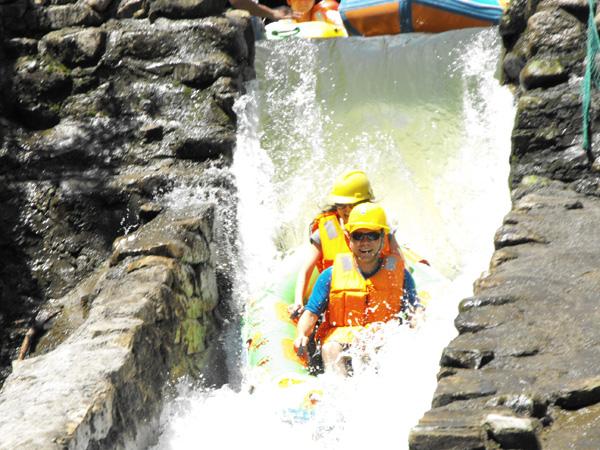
356, 301
333, 239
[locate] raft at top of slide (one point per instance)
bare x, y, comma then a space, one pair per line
380, 17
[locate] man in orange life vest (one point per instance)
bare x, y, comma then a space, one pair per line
364, 288
327, 236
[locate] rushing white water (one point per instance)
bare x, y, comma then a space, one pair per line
428, 122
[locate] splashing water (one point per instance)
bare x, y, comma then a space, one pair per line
424, 116
214, 185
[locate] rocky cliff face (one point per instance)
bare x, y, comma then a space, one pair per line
106, 104
144, 318
107, 107
522, 372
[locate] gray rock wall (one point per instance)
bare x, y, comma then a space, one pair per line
144, 318
523, 372
86, 145
105, 106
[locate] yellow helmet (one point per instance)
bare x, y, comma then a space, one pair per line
368, 216
350, 188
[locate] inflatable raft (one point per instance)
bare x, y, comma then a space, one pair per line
380, 17
377, 17
269, 332
284, 29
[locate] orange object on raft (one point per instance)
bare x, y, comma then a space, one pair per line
378, 17
322, 11
303, 7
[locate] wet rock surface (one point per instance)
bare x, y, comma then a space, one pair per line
522, 373
98, 376
113, 114
101, 118
530, 331
111, 105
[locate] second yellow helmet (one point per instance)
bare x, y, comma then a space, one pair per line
352, 187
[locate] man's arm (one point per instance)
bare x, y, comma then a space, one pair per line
256, 9
410, 297
316, 305
304, 274
306, 324
413, 308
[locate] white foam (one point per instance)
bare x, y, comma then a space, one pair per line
431, 126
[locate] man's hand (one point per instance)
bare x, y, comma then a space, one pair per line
297, 15
416, 316
281, 13
300, 345
295, 310
306, 325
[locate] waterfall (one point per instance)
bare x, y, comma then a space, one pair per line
426, 119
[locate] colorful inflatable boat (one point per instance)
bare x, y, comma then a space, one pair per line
380, 17
377, 17
269, 332
283, 29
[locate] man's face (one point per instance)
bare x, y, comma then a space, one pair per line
366, 244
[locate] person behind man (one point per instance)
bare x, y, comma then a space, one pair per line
327, 237
360, 289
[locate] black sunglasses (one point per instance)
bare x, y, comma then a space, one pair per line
370, 236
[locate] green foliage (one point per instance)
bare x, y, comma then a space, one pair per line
533, 180
54, 65
191, 332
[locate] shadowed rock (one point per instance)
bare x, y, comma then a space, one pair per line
37, 89
542, 73
75, 47
185, 9
580, 393
201, 148
88, 137
467, 358
512, 66
512, 432
99, 380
